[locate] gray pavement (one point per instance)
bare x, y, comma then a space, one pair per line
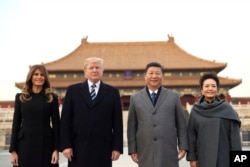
124, 160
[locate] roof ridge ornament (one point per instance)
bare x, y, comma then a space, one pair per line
170, 38
85, 39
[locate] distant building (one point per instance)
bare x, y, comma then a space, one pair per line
124, 64
7, 104
240, 100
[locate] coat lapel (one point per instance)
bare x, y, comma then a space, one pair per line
162, 96
146, 99
85, 93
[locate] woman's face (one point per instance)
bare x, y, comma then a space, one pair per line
209, 89
38, 78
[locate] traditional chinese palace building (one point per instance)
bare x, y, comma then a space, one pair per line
124, 65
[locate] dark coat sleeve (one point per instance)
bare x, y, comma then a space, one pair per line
55, 118
192, 139
16, 124
181, 125
66, 122
117, 124
235, 140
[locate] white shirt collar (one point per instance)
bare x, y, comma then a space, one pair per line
150, 91
97, 84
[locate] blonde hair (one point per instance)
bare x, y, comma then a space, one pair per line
27, 89
93, 60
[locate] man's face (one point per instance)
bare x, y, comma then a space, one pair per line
93, 72
153, 78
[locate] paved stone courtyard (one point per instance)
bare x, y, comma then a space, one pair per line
124, 160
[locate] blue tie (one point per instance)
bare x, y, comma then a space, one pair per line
92, 92
153, 97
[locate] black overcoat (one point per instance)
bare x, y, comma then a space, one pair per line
92, 130
33, 137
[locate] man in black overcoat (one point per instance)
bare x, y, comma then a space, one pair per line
91, 120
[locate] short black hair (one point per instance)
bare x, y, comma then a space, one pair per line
206, 76
154, 64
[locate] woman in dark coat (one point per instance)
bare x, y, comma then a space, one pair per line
35, 128
213, 128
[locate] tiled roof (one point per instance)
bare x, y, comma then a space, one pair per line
133, 56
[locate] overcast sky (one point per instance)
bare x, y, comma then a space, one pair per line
35, 31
